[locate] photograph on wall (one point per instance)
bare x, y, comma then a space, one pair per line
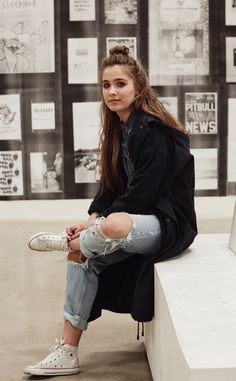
46, 171
130, 42
230, 59
178, 42
171, 104
82, 60
43, 116
205, 168
121, 11
27, 36
82, 10
201, 113
10, 117
230, 12
232, 142
11, 174
86, 128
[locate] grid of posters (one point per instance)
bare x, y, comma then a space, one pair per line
171, 104
82, 60
10, 117
230, 59
230, 12
82, 10
130, 42
11, 174
201, 113
178, 41
43, 116
205, 168
231, 140
86, 128
27, 36
120, 11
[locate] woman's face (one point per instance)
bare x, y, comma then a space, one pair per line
118, 90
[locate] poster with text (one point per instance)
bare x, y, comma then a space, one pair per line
82, 60
201, 113
86, 127
178, 42
231, 140
43, 116
230, 12
46, 171
27, 36
11, 174
230, 59
120, 11
130, 42
10, 117
171, 104
205, 168
82, 10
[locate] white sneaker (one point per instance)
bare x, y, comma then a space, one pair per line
63, 360
46, 241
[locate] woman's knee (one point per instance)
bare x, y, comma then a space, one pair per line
116, 225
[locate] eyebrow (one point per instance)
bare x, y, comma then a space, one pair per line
116, 79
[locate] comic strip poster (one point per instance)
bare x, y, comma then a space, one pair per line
130, 42
82, 10
171, 104
10, 117
205, 168
46, 171
86, 128
121, 11
231, 140
82, 60
11, 174
178, 42
43, 116
230, 59
27, 36
201, 113
230, 12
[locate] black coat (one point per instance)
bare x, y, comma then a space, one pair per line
163, 184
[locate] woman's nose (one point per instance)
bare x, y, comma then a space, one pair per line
112, 90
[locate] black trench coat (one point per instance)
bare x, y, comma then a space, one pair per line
163, 185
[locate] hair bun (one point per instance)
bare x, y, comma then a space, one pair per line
119, 49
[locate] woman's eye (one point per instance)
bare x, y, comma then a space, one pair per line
105, 85
120, 84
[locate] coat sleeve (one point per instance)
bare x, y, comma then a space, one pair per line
102, 201
151, 175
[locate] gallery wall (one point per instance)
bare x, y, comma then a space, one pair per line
50, 94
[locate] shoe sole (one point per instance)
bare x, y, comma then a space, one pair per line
36, 235
51, 372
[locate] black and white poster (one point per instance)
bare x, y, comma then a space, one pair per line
86, 127
230, 12
230, 59
27, 36
201, 113
43, 116
178, 42
231, 140
120, 11
206, 170
10, 117
130, 42
11, 174
171, 104
82, 10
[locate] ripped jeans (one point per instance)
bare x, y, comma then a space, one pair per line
82, 279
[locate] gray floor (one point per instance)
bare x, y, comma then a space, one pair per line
31, 295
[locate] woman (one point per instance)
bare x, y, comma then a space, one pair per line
142, 214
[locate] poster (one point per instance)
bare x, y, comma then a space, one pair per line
46, 171
230, 12
82, 10
120, 11
230, 59
171, 104
82, 60
43, 116
178, 42
205, 168
27, 36
86, 128
10, 117
130, 42
201, 113
11, 174
231, 140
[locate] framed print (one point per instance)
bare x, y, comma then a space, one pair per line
11, 173
171, 104
206, 169
230, 59
10, 117
82, 10
230, 12
231, 171
130, 42
27, 35
43, 116
121, 11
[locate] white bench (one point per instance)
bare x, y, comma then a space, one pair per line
193, 334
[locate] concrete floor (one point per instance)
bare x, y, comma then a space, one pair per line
31, 295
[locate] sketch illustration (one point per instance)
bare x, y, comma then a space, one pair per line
11, 176
120, 11
10, 118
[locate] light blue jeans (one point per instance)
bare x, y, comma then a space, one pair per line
82, 279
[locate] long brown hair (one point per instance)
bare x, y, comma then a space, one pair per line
145, 101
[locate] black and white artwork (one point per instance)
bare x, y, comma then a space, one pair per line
43, 116
171, 104
231, 140
230, 59
130, 42
82, 10
120, 11
230, 12
206, 169
11, 173
10, 117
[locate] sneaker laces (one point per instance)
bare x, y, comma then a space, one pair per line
61, 241
58, 343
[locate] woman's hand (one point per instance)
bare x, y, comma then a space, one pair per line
73, 231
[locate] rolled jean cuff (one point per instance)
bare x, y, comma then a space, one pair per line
76, 321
